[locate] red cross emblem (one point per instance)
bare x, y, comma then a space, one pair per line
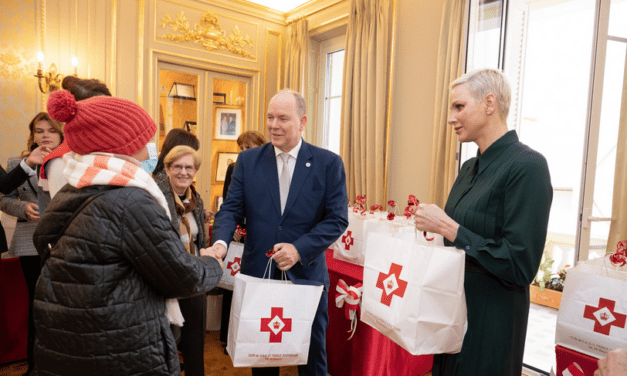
235, 266
391, 284
348, 240
276, 324
604, 316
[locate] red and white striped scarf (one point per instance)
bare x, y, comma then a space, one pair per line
123, 171
110, 169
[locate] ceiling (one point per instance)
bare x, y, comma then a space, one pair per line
280, 5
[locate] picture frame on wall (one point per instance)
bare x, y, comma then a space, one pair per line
228, 123
224, 160
219, 98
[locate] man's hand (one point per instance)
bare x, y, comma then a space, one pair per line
285, 255
212, 252
32, 211
217, 249
614, 364
36, 156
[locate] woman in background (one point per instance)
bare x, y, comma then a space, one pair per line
247, 140
23, 204
497, 212
186, 209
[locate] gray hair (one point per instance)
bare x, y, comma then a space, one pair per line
301, 105
482, 82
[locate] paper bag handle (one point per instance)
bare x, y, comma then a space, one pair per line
268, 271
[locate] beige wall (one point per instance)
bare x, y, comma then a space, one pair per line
418, 28
113, 47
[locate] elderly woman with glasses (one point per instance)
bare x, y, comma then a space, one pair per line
186, 208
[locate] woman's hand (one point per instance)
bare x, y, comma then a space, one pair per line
31, 210
237, 236
209, 215
431, 218
36, 156
614, 364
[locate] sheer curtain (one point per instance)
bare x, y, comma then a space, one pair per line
618, 226
450, 60
367, 64
296, 56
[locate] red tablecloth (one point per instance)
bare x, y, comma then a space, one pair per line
13, 311
368, 352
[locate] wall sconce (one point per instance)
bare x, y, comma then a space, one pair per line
51, 81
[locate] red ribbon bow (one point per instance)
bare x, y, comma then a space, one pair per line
619, 258
349, 297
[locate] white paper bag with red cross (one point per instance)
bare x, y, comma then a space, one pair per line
413, 293
350, 247
270, 322
593, 311
231, 265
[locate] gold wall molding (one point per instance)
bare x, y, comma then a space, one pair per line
207, 33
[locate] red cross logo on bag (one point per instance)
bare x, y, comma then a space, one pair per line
348, 240
234, 266
276, 324
391, 284
604, 316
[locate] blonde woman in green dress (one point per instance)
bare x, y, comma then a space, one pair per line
497, 212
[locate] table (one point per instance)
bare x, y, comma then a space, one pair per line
368, 353
13, 311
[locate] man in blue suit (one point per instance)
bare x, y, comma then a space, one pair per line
293, 197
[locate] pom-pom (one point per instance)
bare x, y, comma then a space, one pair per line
62, 106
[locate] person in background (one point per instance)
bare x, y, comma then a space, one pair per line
22, 203
186, 209
293, 198
613, 364
497, 212
176, 137
247, 140
16, 177
51, 173
110, 254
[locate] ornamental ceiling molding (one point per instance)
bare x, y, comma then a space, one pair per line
13, 66
207, 33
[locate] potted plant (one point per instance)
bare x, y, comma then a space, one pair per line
546, 288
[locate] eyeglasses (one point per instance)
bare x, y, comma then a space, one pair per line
178, 168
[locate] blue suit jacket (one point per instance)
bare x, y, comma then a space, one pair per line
315, 215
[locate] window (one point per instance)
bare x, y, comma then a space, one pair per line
330, 95
565, 61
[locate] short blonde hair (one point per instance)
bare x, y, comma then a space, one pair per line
179, 151
482, 82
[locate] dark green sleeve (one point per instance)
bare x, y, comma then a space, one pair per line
515, 257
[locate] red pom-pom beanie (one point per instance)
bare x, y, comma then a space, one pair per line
104, 124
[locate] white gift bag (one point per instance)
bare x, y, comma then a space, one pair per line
270, 322
414, 293
593, 309
350, 247
231, 265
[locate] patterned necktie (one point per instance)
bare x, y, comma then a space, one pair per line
284, 180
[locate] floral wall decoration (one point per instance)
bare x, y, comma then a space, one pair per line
207, 33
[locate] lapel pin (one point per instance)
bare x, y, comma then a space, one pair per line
307, 164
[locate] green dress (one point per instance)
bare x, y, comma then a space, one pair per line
501, 199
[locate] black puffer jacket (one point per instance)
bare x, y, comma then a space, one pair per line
100, 302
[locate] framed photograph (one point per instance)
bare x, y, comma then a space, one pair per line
190, 126
228, 123
224, 160
219, 98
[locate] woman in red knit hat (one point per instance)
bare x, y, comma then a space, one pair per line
110, 255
